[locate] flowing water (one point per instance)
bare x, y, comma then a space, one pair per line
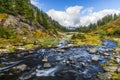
74, 63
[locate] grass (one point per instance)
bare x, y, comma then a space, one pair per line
42, 39
89, 39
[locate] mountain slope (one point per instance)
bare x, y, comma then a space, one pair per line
25, 9
23, 23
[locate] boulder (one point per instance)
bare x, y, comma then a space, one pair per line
47, 65
4, 51
118, 69
21, 67
106, 54
117, 50
60, 50
93, 50
104, 76
84, 64
118, 60
110, 68
45, 60
95, 58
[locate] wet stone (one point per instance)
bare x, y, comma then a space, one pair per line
95, 58
117, 50
21, 67
93, 50
45, 60
106, 54
60, 50
104, 76
47, 65
110, 68
70, 59
79, 59
84, 64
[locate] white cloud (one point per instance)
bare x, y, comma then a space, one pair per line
72, 15
88, 10
95, 16
37, 3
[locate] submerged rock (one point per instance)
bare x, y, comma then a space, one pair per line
79, 59
93, 50
95, 58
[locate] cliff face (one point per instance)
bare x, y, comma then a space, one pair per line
18, 23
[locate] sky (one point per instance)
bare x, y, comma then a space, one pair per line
78, 12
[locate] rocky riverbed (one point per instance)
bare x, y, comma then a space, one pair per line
64, 62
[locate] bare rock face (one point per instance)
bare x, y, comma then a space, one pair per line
19, 22
11, 21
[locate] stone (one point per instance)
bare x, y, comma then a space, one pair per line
95, 58
21, 67
47, 65
68, 62
106, 54
70, 59
60, 50
84, 64
104, 76
118, 69
20, 48
117, 50
4, 51
93, 50
110, 68
78, 59
118, 60
45, 60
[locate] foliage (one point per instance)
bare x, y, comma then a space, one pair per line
78, 36
6, 33
102, 33
116, 31
96, 26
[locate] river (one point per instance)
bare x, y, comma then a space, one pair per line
60, 63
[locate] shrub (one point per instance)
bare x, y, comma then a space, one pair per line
78, 36
6, 33
116, 32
